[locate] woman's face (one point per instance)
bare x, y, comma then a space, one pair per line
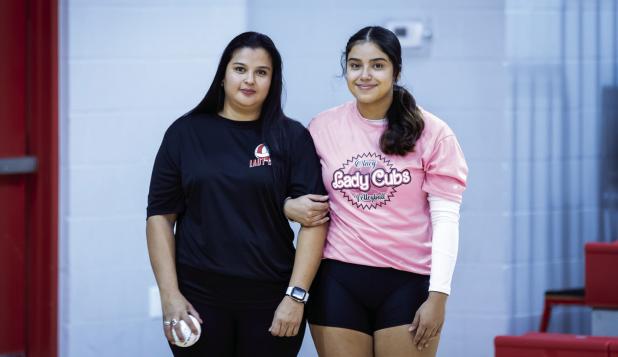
369, 73
247, 79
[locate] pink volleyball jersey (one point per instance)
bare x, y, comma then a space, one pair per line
378, 203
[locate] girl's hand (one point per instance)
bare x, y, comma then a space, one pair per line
177, 308
308, 210
428, 320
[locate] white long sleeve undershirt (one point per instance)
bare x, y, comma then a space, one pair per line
445, 242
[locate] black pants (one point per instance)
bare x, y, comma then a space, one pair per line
237, 314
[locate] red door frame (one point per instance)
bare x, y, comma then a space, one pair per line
13, 44
42, 200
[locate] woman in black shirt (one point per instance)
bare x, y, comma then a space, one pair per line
220, 179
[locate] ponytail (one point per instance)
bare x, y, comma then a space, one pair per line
405, 124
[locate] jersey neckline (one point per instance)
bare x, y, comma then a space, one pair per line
366, 122
247, 124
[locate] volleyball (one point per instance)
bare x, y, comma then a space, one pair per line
189, 339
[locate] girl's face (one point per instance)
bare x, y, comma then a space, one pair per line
369, 73
247, 80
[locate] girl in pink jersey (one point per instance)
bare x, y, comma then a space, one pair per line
395, 174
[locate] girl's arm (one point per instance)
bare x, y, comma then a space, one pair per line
429, 318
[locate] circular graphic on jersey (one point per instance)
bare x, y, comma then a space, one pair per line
261, 152
369, 180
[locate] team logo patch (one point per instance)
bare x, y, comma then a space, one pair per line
262, 156
369, 180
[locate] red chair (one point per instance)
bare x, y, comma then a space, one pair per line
601, 289
555, 345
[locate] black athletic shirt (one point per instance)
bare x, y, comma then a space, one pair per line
216, 175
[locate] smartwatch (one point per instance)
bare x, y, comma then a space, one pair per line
298, 294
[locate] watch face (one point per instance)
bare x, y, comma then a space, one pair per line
298, 293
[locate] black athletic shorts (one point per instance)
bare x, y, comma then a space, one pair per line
364, 298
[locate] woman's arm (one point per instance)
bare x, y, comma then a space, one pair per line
308, 210
289, 314
161, 249
429, 318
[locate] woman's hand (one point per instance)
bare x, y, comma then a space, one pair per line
177, 308
287, 319
308, 210
428, 320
